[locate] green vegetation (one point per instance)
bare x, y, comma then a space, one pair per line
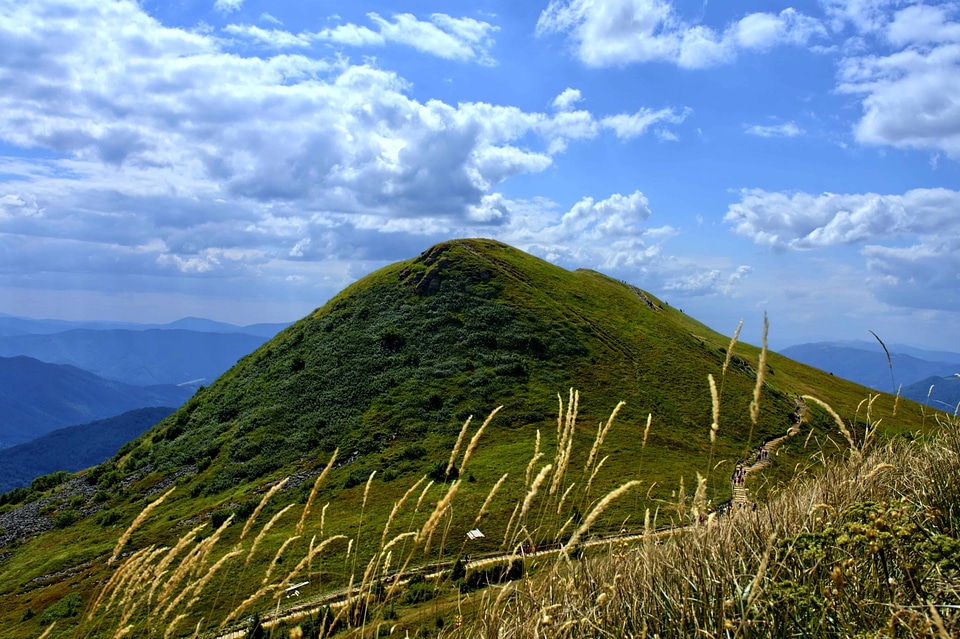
387, 374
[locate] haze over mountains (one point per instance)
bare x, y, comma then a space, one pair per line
75, 447
37, 398
56, 374
865, 363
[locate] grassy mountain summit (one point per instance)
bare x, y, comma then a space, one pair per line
409, 352
387, 373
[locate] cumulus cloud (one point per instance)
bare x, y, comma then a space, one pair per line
909, 241
632, 125
227, 6
618, 32
787, 130
609, 234
274, 38
567, 99
702, 282
465, 39
803, 221
909, 96
165, 151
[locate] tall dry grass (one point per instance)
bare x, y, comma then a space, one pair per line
866, 546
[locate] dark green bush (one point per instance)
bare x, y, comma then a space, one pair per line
66, 518
69, 606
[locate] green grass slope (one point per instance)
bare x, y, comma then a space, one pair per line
387, 372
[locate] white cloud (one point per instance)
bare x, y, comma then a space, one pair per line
787, 130
618, 32
632, 125
227, 6
911, 242
167, 152
865, 16
911, 96
567, 99
444, 36
274, 38
665, 135
802, 220
266, 17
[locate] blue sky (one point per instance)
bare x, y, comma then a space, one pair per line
244, 160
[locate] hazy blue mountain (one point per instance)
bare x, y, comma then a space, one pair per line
75, 447
143, 357
37, 398
866, 363
210, 326
944, 396
11, 325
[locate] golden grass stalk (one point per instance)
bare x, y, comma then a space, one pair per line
646, 430
313, 491
276, 558
563, 497
246, 602
456, 446
761, 374
194, 558
506, 534
733, 342
161, 567
136, 523
264, 530
423, 494
755, 584
533, 460
837, 419
565, 445
46, 633
397, 506
594, 474
126, 571
208, 575
140, 573
366, 489
199, 585
699, 498
476, 438
486, 502
601, 435
263, 502
323, 516
173, 625
592, 517
715, 403
307, 558
430, 525
528, 500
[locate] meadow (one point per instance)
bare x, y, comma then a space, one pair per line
862, 540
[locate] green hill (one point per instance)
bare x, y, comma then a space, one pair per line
387, 372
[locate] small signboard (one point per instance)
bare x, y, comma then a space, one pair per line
294, 590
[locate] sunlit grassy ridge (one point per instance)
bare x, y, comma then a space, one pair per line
387, 373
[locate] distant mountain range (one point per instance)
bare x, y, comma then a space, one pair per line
75, 447
37, 398
12, 325
142, 358
866, 363
189, 351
